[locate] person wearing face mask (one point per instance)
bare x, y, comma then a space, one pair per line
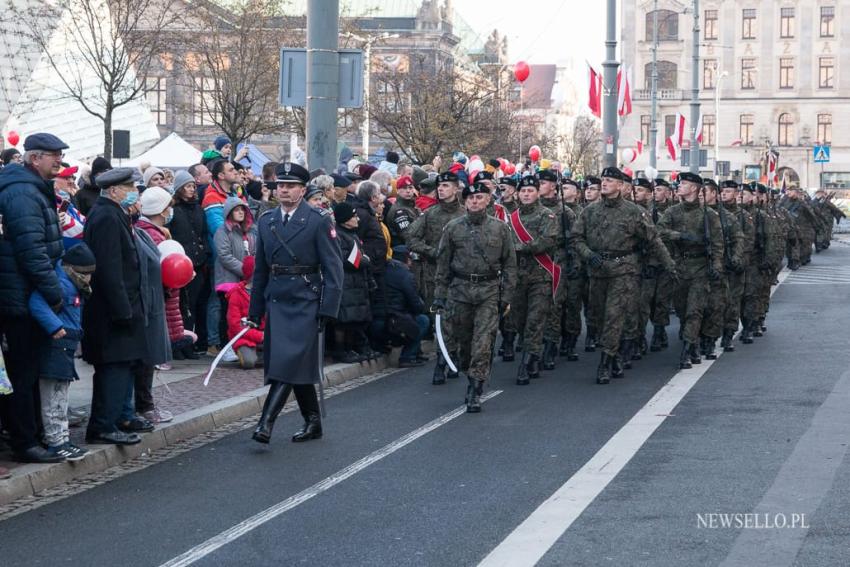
113, 317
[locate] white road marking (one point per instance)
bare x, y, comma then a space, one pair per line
242, 528
530, 541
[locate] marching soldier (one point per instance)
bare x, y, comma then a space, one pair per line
650, 270
538, 276
606, 236
574, 277
423, 238
697, 240
510, 203
758, 270
476, 271
591, 195
808, 223
662, 294
738, 278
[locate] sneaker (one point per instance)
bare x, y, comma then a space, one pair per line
136, 425
212, 351
163, 367
157, 415
229, 356
64, 452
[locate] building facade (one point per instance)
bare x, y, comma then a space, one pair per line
772, 73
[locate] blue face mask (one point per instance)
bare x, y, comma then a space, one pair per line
130, 199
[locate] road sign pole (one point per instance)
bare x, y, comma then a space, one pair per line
322, 83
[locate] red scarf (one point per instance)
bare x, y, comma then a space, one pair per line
545, 260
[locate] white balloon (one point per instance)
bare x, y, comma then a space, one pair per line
629, 155
169, 247
651, 173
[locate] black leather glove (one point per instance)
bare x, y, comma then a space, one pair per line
438, 305
596, 261
689, 237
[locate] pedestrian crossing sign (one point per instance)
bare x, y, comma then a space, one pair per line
821, 154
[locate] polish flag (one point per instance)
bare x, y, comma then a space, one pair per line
624, 92
674, 142
639, 144
699, 130
737, 143
355, 256
595, 94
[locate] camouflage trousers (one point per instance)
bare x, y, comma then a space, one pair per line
734, 307
689, 301
474, 326
807, 240
574, 293
531, 308
658, 298
752, 306
631, 327
715, 308
610, 300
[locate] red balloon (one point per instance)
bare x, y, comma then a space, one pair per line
509, 169
177, 271
13, 138
628, 171
534, 153
521, 71
502, 163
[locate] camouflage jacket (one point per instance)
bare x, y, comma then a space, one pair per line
692, 255
423, 236
542, 225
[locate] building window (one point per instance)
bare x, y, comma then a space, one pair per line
645, 125
827, 21
392, 96
711, 24
825, 129
748, 73
835, 180
786, 72
205, 111
786, 23
668, 25
786, 129
667, 75
669, 125
827, 73
709, 73
709, 124
155, 94
746, 129
748, 29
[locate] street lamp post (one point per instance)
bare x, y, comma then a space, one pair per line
609, 78
653, 128
720, 78
694, 154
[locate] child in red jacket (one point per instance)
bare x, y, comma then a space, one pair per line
238, 301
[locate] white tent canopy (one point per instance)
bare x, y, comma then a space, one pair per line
172, 152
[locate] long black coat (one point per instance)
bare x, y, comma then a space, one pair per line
354, 306
113, 317
292, 304
189, 228
369, 231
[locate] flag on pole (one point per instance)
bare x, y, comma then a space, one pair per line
624, 92
674, 142
355, 256
639, 144
595, 94
698, 130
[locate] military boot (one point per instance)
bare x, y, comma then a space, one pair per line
747, 332
625, 354
664, 343
644, 348
564, 348
710, 345
508, 353
694, 354
533, 366
762, 326
617, 368
549, 353
684, 357
522, 373
603, 373
657, 331
758, 330
440, 371
473, 402
590, 340
275, 400
571, 348
726, 341
453, 374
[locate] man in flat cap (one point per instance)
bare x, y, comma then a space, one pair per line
297, 287
606, 236
476, 271
30, 245
423, 238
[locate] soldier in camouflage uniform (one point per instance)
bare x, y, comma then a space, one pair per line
476, 271
606, 236
807, 220
658, 288
758, 271
592, 184
423, 238
737, 278
509, 202
403, 212
829, 213
630, 341
718, 296
697, 241
573, 278
536, 233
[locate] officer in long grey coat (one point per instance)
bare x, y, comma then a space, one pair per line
297, 286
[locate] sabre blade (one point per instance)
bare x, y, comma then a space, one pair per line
219, 356
439, 328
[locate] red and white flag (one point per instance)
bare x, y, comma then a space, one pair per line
639, 144
698, 130
772, 162
595, 95
737, 142
355, 256
674, 142
624, 92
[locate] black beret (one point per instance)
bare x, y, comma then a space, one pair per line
614, 173
529, 181
750, 187
692, 177
448, 177
81, 257
341, 180
626, 177
729, 184
761, 188
591, 180
343, 212
475, 189
643, 182
291, 172
547, 175
44, 142
709, 182
568, 181
118, 176
660, 181
483, 175
511, 180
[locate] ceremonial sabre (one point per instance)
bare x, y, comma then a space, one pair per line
322, 371
217, 359
439, 328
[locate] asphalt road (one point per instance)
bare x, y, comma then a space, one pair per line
763, 431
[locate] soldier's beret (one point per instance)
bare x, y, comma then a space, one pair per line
288, 172
448, 177
692, 177
761, 188
568, 181
547, 175
341, 180
529, 181
662, 182
749, 187
511, 180
710, 183
44, 142
614, 173
643, 182
118, 176
591, 180
474, 189
483, 175
729, 184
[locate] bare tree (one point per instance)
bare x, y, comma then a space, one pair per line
88, 47
583, 150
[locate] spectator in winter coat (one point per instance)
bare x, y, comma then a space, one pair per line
406, 318
10, 156
234, 240
62, 334
154, 177
70, 219
224, 185
238, 302
89, 191
29, 248
202, 177
390, 164
189, 228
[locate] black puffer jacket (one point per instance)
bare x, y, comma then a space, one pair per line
371, 234
31, 240
189, 228
354, 307
402, 297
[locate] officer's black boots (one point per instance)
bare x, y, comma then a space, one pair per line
533, 366
726, 341
522, 373
685, 358
603, 373
308, 403
570, 351
440, 371
590, 340
549, 353
276, 399
473, 395
508, 352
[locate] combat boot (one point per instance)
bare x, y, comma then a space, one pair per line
758, 328
625, 354
617, 368
694, 354
564, 348
664, 343
726, 341
440, 371
275, 400
312, 428
603, 373
762, 326
522, 373
533, 366
747, 332
590, 340
508, 352
644, 348
476, 387
684, 358
549, 352
657, 331
710, 345
571, 348
452, 374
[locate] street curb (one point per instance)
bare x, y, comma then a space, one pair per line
29, 480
